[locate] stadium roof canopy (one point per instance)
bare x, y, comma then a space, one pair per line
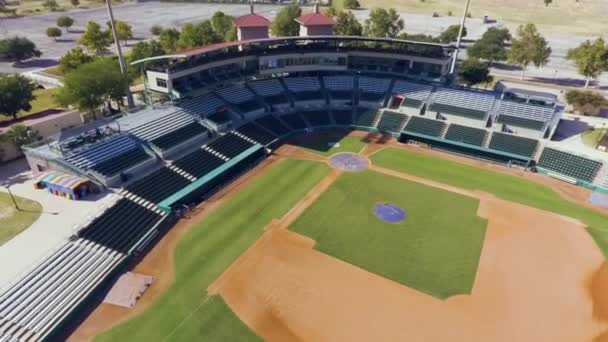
267, 45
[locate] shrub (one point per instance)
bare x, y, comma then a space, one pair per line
435, 15
156, 30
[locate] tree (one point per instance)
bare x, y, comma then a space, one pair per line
75, 3
529, 48
491, 45
284, 23
21, 135
95, 39
200, 34
16, 94
143, 50
53, 32
168, 39
18, 49
351, 4
156, 30
473, 72
591, 58
65, 22
222, 24
50, 5
92, 85
74, 59
330, 11
347, 25
124, 31
586, 102
383, 23
419, 37
451, 34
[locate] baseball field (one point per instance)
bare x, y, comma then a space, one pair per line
295, 252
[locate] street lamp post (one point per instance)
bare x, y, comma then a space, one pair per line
121, 59
464, 18
12, 198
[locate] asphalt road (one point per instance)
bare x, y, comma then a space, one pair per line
144, 15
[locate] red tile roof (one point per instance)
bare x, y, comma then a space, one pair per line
251, 20
315, 19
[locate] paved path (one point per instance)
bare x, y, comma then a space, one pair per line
60, 217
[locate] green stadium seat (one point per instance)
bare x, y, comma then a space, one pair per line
391, 121
466, 135
513, 144
366, 117
429, 127
569, 164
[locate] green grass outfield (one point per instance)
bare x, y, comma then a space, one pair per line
507, 187
347, 144
13, 222
435, 249
184, 312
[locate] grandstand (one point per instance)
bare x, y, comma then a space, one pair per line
227, 119
570, 165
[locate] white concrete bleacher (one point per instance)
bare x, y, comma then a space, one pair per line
154, 128
35, 305
524, 114
412, 90
465, 102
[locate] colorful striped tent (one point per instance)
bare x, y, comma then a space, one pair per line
64, 185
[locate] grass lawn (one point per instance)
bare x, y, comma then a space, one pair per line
507, 187
321, 145
44, 100
184, 312
435, 249
591, 138
13, 222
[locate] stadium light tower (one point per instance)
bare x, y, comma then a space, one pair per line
121, 59
464, 18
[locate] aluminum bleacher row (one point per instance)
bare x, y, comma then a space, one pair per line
155, 130
304, 88
523, 114
373, 89
467, 104
272, 91
111, 156
37, 304
340, 87
569, 164
415, 93
203, 105
241, 97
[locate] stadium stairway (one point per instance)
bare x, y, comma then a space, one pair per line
324, 90
287, 92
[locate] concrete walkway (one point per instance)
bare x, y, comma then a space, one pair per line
57, 222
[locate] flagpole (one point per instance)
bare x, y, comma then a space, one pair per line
464, 18
121, 59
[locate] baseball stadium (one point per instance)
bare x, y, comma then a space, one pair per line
322, 188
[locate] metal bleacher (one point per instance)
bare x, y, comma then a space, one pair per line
340, 87
304, 88
415, 93
472, 105
373, 89
271, 90
203, 105
524, 114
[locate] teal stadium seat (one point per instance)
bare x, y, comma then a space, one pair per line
466, 135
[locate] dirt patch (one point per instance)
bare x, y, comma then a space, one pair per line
532, 285
159, 262
293, 152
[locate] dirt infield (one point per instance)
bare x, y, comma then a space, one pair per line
538, 280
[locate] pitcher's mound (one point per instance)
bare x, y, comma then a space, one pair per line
349, 162
389, 213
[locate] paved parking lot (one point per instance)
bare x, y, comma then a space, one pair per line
144, 15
